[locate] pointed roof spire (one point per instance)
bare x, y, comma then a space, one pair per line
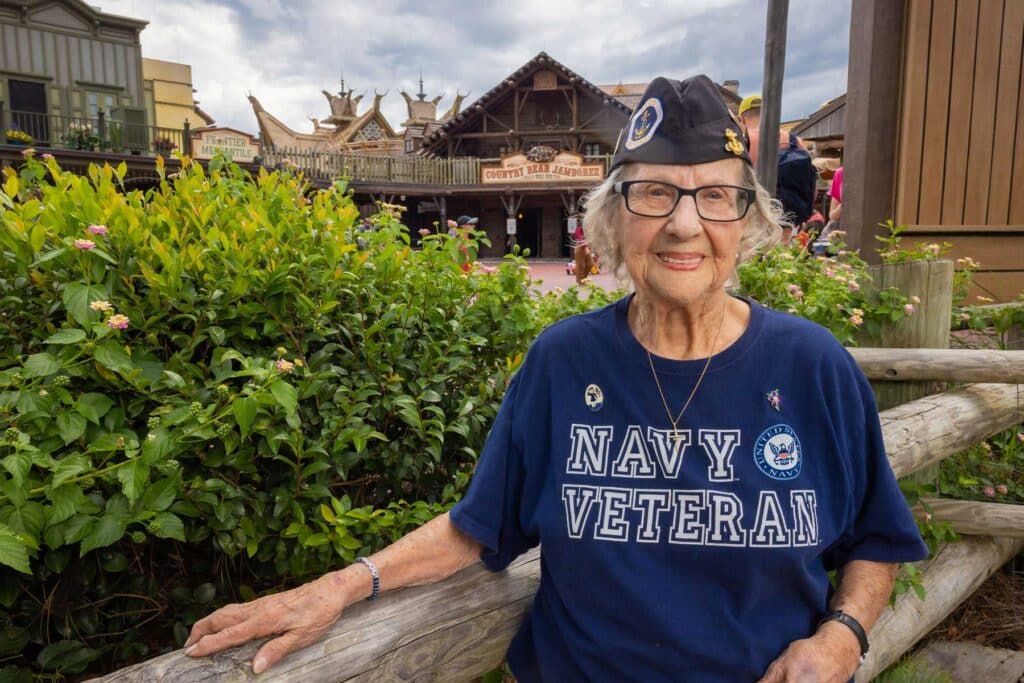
422, 95
342, 92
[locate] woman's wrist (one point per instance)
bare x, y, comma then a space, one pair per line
352, 584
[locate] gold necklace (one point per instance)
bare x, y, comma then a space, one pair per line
693, 392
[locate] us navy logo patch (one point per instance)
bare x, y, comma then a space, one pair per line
646, 120
778, 453
593, 397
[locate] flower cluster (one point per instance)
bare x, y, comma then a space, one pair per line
116, 321
18, 136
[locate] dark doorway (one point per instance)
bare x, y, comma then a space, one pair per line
28, 109
528, 231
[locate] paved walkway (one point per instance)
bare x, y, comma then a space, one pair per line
550, 274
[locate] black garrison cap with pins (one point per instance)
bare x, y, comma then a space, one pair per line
680, 122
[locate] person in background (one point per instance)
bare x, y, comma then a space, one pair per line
467, 245
835, 195
750, 121
582, 255
691, 485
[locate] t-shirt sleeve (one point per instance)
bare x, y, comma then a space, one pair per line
490, 512
880, 526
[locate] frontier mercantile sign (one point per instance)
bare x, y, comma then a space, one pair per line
520, 168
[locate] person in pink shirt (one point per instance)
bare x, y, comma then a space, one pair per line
835, 193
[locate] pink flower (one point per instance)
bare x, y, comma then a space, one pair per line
856, 320
915, 299
795, 291
85, 245
829, 272
97, 229
118, 322
989, 492
285, 366
486, 268
100, 305
909, 309
928, 517
46, 156
28, 152
424, 231
452, 224
1020, 436
1002, 490
854, 287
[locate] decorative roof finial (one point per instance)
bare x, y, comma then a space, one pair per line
422, 95
342, 84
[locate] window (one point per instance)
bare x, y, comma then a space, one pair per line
100, 100
592, 149
409, 146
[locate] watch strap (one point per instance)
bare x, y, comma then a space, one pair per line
854, 625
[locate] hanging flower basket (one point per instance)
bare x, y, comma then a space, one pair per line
17, 137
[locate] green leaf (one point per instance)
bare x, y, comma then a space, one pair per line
204, 593
244, 410
18, 465
284, 394
93, 406
40, 365
168, 525
66, 501
110, 355
13, 552
77, 297
67, 656
133, 478
70, 335
28, 521
68, 467
160, 495
70, 425
107, 531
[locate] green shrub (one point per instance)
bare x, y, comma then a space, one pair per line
215, 388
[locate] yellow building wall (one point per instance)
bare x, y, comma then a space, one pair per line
170, 94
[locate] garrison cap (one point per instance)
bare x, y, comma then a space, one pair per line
680, 122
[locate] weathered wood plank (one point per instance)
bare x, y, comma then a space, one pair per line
973, 662
914, 84
451, 631
936, 112
952, 365
973, 518
930, 429
950, 578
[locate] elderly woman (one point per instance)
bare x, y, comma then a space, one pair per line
691, 485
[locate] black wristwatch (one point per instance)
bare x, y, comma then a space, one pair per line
854, 625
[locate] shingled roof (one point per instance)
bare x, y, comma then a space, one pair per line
542, 60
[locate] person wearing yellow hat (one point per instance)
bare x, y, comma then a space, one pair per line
750, 120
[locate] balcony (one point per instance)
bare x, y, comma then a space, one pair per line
99, 134
367, 169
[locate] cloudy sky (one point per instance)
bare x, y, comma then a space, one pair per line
286, 51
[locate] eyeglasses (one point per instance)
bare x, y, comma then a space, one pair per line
653, 199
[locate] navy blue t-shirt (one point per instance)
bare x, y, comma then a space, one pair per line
696, 558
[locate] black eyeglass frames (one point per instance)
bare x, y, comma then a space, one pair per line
655, 199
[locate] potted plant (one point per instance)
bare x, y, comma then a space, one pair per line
80, 135
17, 137
164, 146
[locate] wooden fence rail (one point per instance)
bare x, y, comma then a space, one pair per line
460, 627
955, 365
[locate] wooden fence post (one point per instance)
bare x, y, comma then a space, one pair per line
927, 328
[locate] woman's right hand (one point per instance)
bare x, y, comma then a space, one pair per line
298, 617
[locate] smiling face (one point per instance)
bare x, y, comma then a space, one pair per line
681, 259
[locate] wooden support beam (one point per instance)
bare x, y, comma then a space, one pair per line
952, 365
973, 518
951, 577
930, 429
454, 630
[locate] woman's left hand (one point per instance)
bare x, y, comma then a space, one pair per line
829, 656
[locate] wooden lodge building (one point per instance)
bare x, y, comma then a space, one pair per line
520, 157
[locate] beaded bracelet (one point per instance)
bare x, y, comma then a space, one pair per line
374, 573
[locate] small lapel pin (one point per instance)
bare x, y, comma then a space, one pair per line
774, 399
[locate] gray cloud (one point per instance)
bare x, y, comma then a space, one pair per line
285, 52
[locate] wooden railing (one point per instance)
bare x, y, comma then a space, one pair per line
365, 168
456, 629
98, 134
